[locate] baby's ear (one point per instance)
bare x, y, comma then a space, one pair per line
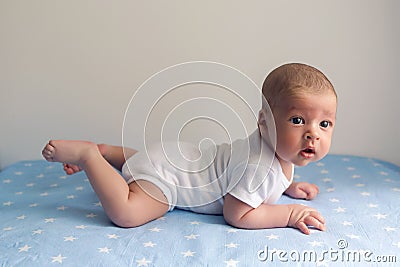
262, 117
266, 125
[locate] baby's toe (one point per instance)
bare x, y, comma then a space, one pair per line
48, 152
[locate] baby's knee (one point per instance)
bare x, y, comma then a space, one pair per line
126, 221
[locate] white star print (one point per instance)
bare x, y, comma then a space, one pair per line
143, 262
188, 253
155, 229
334, 200
24, 248
61, 208
346, 223
232, 230
326, 180
373, 205
40, 175
8, 228
9, 203
53, 185
384, 173
30, 185
45, 194
7, 181
79, 188
352, 236
58, 258
33, 205
22, 217
380, 216
70, 197
320, 164
231, 263
365, 194
113, 236
272, 236
396, 189
340, 209
360, 185
70, 238
324, 171
355, 176
49, 220
351, 168
315, 243
397, 244
104, 250
37, 232
149, 244
81, 226
97, 204
195, 223
161, 218
18, 173
332, 189
231, 245
91, 215
390, 229
192, 236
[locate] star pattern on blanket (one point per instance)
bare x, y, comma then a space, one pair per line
47, 201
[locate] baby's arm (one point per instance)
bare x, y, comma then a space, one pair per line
241, 215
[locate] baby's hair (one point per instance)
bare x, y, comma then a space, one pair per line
292, 79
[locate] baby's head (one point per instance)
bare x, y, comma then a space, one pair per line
303, 103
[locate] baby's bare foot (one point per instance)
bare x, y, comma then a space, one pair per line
69, 152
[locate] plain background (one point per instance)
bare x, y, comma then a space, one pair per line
69, 68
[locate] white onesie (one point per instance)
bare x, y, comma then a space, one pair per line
247, 169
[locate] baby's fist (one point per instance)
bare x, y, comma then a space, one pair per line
302, 190
302, 216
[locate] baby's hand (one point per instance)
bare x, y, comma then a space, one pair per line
301, 216
302, 190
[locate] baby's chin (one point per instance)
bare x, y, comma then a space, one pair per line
304, 162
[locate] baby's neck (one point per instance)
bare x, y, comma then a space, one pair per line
287, 168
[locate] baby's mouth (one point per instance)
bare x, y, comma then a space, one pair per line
308, 152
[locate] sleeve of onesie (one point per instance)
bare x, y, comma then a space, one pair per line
251, 183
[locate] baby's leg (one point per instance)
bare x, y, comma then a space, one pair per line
115, 155
126, 206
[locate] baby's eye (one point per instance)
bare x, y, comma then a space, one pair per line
297, 120
325, 124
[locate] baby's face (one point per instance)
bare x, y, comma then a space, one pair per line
304, 127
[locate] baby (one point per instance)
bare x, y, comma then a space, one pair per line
243, 188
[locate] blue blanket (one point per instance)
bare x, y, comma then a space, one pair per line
51, 219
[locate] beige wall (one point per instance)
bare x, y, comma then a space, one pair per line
69, 68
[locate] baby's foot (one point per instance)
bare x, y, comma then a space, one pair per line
70, 152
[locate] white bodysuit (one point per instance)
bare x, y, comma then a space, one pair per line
197, 181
